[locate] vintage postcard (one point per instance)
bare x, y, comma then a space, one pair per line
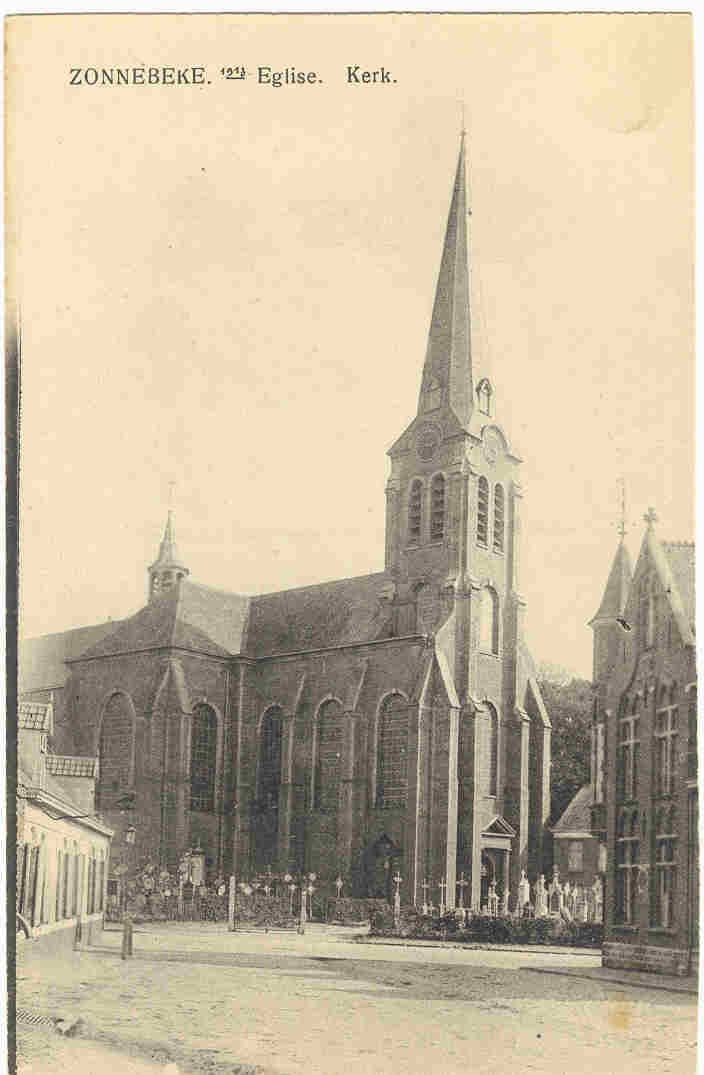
356, 712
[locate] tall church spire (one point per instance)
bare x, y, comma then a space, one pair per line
168, 568
447, 374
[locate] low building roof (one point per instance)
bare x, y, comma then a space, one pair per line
577, 816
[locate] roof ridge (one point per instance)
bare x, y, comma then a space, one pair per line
317, 585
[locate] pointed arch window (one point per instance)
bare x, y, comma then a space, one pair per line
328, 762
437, 508
204, 736
492, 749
499, 518
489, 621
270, 759
415, 512
692, 736
115, 751
392, 754
484, 396
483, 511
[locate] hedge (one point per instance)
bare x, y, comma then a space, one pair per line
485, 930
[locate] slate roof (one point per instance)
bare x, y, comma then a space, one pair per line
681, 557
577, 816
616, 592
187, 616
69, 765
330, 613
35, 716
41, 660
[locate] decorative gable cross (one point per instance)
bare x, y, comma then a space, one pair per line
650, 517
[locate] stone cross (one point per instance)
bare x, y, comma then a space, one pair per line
541, 898
462, 884
425, 886
442, 885
397, 899
338, 885
493, 900
523, 891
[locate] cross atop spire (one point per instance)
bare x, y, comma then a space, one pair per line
447, 374
622, 528
650, 518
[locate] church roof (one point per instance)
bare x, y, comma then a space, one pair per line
448, 359
577, 816
331, 613
616, 593
187, 616
41, 661
681, 556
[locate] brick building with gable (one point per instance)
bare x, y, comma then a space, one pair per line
644, 761
386, 722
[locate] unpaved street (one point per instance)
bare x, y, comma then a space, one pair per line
321, 1004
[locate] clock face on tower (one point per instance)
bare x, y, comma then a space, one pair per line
492, 445
428, 438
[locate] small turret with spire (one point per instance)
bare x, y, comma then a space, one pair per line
168, 568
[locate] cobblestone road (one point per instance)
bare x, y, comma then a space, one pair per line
322, 1005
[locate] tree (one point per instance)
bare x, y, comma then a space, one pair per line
569, 707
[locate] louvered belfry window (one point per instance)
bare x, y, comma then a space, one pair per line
415, 512
499, 524
483, 512
437, 508
204, 731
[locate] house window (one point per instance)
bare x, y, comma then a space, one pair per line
392, 759
575, 856
627, 860
483, 511
498, 518
437, 508
270, 759
665, 873
328, 745
665, 747
628, 755
204, 736
489, 626
415, 512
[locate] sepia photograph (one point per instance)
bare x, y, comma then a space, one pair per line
353, 729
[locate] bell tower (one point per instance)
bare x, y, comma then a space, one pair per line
168, 568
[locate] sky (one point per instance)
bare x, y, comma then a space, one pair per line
229, 287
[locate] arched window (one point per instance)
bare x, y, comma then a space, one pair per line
493, 749
437, 508
392, 759
484, 396
483, 511
115, 751
326, 788
489, 615
270, 758
498, 518
415, 512
204, 738
692, 737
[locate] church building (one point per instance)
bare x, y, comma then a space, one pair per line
357, 727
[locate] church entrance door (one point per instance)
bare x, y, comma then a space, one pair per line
488, 875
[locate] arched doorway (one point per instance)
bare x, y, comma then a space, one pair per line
488, 873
